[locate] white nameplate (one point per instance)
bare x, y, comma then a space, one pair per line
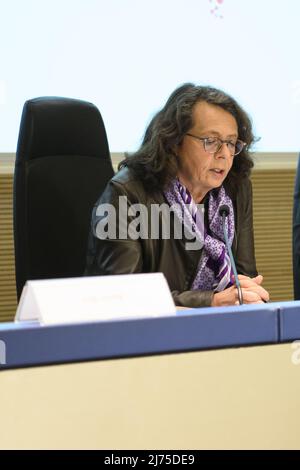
96, 298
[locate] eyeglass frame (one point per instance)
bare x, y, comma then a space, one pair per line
204, 139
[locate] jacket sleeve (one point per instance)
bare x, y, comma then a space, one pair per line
193, 298
111, 254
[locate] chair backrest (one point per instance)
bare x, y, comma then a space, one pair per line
62, 166
296, 235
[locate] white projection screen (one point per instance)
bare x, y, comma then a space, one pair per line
127, 56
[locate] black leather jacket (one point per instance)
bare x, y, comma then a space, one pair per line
167, 256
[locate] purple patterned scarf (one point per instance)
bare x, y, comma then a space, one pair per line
214, 270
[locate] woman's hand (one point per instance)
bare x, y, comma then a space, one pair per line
253, 293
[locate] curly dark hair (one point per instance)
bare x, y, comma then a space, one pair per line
156, 161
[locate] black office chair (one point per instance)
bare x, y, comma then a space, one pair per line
62, 166
296, 235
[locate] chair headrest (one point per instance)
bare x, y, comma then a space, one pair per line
61, 126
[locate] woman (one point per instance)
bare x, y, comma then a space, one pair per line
195, 151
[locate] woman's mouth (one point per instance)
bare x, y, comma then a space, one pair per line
218, 171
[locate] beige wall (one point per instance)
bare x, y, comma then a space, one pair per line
243, 398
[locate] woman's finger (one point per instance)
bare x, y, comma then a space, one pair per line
264, 295
250, 297
258, 279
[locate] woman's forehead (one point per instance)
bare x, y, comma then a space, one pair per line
214, 118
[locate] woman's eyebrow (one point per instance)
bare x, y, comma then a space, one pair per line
210, 131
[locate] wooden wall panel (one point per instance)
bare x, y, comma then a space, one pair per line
273, 209
8, 298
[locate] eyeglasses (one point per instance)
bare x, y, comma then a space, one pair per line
213, 144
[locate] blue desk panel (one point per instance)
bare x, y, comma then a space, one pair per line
289, 321
29, 344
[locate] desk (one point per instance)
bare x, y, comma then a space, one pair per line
242, 397
228, 398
